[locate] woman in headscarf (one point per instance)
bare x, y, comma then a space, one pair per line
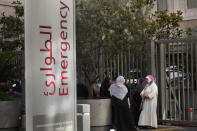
104, 90
148, 116
136, 101
121, 114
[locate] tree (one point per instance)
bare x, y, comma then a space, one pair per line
11, 43
165, 25
116, 26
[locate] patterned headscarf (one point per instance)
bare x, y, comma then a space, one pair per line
149, 78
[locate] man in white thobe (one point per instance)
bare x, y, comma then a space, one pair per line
148, 116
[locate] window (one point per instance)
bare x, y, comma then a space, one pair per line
162, 5
191, 4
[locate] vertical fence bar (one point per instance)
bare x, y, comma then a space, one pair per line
192, 75
118, 64
137, 67
152, 56
115, 68
133, 69
187, 69
141, 62
121, 63
183, 72
125, 65
129, 66
161, 81
170, 106
111, 66
104, 66
179, 102
97, 60
107, 64
195, 73
156, 61
174, 90
165, 80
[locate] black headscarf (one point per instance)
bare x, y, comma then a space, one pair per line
104, 90
141, 84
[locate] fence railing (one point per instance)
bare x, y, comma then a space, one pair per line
173, 63
176, 74
131, 64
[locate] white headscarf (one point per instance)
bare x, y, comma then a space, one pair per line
118, 89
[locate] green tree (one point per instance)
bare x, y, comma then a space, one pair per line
116, 26
11, 43
166, 25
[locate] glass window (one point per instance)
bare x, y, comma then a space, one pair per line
162, 5
191, 4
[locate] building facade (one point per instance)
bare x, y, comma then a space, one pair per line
188, 7
6, 6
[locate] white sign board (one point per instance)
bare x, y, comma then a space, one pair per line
50, 65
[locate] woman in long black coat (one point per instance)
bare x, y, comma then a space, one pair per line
122, 115
136, 102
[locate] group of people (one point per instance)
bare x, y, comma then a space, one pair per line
130, 113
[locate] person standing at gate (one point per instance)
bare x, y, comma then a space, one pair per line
104, 90
122, 116
148, 116
136, 101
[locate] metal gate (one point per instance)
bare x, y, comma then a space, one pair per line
173, 63
131, 64
176, 75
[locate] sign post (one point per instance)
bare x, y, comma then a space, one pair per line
50, 65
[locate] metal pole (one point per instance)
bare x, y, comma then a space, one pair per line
137, 67
170, 106
173, 61
111, 66
179, 102
183, 85
162, 81
156, 61
129, 65
195, 106
107, 64
187, 69
115, 74
165, 80
153, 68
121, 63
133, 69
192, 75
125, 65
118, 64
141, 62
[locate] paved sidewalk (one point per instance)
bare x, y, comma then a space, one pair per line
171, 128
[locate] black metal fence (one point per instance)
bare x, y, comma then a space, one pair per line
132, 64
176, 73
173, 63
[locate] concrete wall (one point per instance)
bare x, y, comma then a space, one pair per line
189, 23
9, 112
100, 113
